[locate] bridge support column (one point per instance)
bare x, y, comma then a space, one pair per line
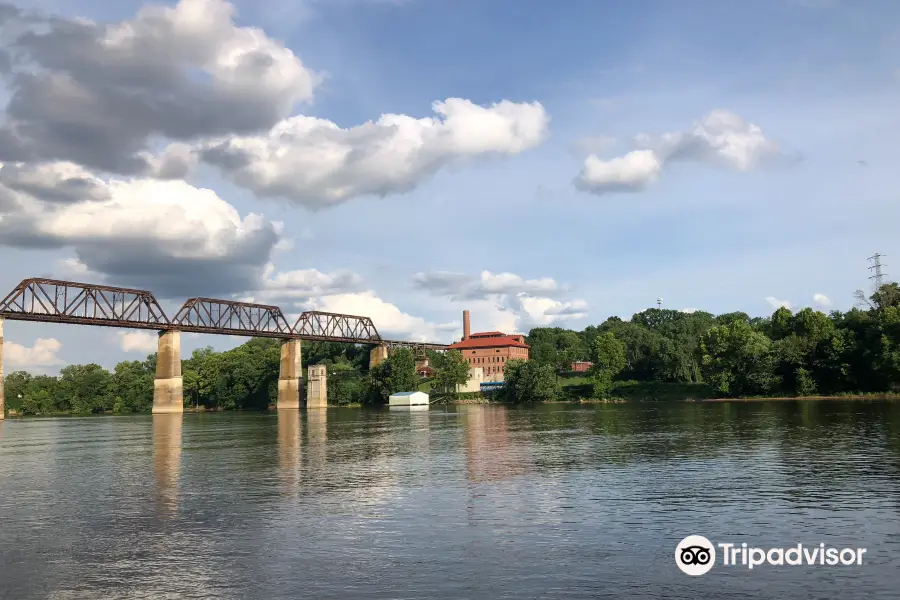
290, 376
377, 355
317, 387
167, 387
2, 404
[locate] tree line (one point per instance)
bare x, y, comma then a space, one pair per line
730, 355
245, 377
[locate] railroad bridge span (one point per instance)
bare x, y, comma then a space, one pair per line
55, 301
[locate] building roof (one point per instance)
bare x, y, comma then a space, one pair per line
408, 393
502, 341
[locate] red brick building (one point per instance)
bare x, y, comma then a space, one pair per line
580, 366
490, 350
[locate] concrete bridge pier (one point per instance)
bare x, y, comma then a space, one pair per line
2, 404
167, 387
377, 355
317, 387
290, 376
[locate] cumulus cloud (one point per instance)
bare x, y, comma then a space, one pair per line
316, 163
459, 286
61, 182
167, 236
295, 288
98, 93
145, 342
689, 310
630, 173
776, 303
514, 302
39, 356
720, 138
389, 320
156, 94
534, 311
822, 300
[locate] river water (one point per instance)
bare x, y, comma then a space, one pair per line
459, 502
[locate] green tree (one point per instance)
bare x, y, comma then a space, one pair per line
781, 324
738, 361
396, 374
528, 382
887, 296
608, 356
86, 388
450, 370
403, 377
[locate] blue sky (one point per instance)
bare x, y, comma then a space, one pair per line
802, 189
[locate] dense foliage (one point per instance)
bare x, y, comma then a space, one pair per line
657, 352
802, 353
244, 377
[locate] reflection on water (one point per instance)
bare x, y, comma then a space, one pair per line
289, 450
488, 441
167, 458
316, 421
455, 502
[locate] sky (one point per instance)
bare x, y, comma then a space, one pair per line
540, 164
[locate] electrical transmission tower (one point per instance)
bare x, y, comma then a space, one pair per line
659, 303
878, 277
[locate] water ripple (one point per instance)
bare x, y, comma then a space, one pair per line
474, 502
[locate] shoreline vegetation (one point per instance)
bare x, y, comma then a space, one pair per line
485, 401
656, 356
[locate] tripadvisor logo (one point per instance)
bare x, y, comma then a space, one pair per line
695, 555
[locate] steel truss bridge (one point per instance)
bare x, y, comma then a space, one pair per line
54, 301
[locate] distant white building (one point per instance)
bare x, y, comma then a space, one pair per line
476, 376
408, 399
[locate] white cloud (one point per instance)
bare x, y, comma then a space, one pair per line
297, 287
389, 320
537, 312
72, 268
145, 342
41, 355
508, 301
822, 300
60, 182
721, 137
462, 286
316, 163
630, 173
776, 303
168, 236
178, 72
689, 310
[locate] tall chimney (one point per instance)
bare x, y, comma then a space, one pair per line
467, 329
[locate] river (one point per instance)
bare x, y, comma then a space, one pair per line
460, 502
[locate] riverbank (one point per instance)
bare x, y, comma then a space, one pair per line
891, 397
468, 401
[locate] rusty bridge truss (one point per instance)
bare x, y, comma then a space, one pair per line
52, 301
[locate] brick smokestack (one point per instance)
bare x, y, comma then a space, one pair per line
467, 328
